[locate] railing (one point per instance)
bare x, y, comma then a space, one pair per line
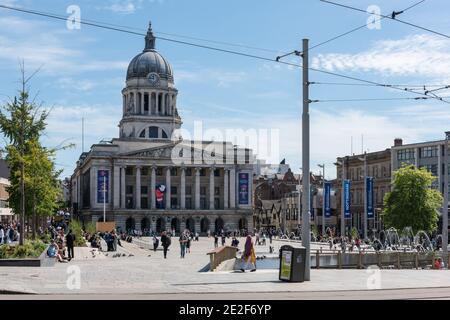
220, 255
382, 259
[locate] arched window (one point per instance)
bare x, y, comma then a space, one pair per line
142, 135
153, 132
164, 134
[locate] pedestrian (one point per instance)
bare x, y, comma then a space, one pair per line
249, 256
2, 234
216, 240
183, 242
155, 242
270, 237
188, 243
223, 239
165, 241
70, 240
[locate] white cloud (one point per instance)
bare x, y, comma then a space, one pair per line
220, 78
416, 55
127, 6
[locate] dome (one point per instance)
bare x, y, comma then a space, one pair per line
149, 61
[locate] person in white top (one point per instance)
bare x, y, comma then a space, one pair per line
2, 235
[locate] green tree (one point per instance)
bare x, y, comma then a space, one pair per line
412, 202
21, 121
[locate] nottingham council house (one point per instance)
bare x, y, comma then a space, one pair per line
149, 178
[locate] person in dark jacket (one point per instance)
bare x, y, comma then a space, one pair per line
70, 240
165, 241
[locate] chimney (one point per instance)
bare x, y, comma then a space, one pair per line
398, 142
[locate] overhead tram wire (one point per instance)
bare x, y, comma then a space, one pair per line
360, 27
116, 27
392, 17
217, 49
370, 99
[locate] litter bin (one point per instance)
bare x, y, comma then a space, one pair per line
292, 264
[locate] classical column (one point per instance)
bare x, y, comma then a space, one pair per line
211, 188
116, 187
142, 101
170, 105
135, 102
197, 188
168, 187
163, 104
225, 188
138, 187
157, 103
153, 187
122, 187
93, 194
233, 188
183, 189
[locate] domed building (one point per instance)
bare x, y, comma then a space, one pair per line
150, 178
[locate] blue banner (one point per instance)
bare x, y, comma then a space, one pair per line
243, 188
347, 202
102, 185
369, 197
327, 199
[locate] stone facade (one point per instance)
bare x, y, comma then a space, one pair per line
207, 186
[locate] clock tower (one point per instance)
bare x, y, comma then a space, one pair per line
150, 97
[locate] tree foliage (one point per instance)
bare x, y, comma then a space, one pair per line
412, 202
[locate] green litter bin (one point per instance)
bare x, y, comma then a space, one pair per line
292, 264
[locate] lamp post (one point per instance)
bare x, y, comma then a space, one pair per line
104, 198
344, 176
445, 205
364, 159
322, 166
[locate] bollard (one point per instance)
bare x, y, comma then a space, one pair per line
360, 266
317, 260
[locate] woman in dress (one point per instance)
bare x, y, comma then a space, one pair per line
249, 256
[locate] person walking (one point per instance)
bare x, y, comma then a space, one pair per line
165, 241
155, 242
223, 239
216, 240
249, 256
183, 242
70, 240
2, 234
188, 243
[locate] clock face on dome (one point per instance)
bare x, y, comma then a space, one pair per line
153, 78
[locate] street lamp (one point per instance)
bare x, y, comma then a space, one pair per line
322, 166
364, 159
342, 163
445, 205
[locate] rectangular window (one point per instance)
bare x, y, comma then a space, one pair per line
188, 172
173, 202
188, 190
129, 203
217, 191
144, 171
405, 154
159, 171
173, 172
429, 152
216, 204
144, 189
129, 190
203, 191
217, 173
173, 190
202, 203
188, 203
129, 171
202, 172
144, 203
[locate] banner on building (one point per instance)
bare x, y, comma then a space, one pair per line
327, 199
102, 186
159, 195
243, 188
369, 197
347, 200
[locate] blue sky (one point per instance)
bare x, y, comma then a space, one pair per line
84, 70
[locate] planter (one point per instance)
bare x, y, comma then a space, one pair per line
41, 261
